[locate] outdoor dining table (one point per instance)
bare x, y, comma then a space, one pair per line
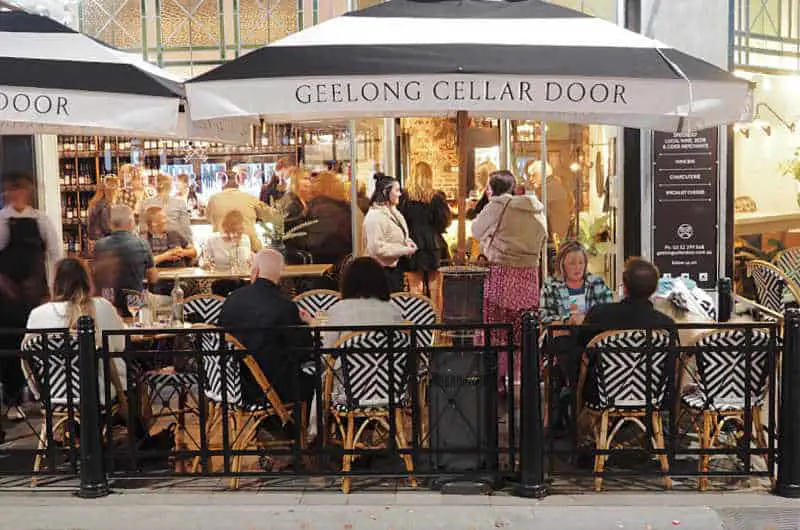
200, 279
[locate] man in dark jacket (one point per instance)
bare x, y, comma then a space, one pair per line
267, 326
635, 311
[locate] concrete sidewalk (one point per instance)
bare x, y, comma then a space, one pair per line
148, 510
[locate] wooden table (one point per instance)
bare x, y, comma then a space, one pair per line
201, 279
315, 270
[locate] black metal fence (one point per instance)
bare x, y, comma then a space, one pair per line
423, 404
384, 402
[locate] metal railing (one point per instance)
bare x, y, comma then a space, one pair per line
456, 421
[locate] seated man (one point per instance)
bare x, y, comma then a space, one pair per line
281, 350
123, 260
169, 248
635, 311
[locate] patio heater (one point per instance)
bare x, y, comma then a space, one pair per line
463, 390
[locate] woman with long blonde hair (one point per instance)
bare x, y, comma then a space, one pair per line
330, 239
106, 195
428, 215
73, 298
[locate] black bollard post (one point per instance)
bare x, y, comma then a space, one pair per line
531, 451
93, 478
789, 413
725, 300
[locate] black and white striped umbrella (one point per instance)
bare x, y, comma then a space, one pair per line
515, 59
54, 80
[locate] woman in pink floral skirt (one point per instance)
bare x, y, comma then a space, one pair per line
512, 232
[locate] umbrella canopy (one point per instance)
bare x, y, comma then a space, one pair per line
515, 59
54, 80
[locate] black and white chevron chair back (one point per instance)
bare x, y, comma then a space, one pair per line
418, 310
317, 301
203, 309
722, 359
623, 368
789, 262
55, 363
372, 366
769, 283
210, 344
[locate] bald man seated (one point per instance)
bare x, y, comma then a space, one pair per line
280, 351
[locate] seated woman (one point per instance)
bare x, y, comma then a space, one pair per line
228, 251
365, 300
72, 299
566, 297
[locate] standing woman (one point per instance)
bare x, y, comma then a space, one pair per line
134, 190
99, 221
428, 217
512, 231
386, 234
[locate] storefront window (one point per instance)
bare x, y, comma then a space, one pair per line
370, 151
579, 184
767, 175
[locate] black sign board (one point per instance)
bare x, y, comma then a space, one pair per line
685, 205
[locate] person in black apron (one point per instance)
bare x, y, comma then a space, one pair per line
23, 277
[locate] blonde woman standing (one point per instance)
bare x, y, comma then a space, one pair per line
386, 235
99, 222
427, 214
134, 191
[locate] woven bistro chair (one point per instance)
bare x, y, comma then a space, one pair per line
317, 301
622, 374
243, 418
372, 368
203, 308
789, 262
720, 392
53, 366
770, 282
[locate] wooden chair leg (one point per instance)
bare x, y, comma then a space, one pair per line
601, 443
658, 435
349, 445
213, 417
236, 441
402, 443
41, 447
705, 443
761, 440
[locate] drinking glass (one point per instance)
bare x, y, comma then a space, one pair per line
135, 301
108, 294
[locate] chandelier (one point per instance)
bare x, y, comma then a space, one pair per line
195, 152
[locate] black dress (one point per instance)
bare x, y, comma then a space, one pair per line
23, 264
427, 221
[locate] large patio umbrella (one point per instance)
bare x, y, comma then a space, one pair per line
512, 59
54, 80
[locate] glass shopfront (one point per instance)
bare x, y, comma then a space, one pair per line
580, 183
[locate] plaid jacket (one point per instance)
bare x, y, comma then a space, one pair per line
554, 304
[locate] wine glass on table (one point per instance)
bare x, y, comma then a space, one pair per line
135, 302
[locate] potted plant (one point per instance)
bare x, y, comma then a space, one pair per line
791, 168
274, 230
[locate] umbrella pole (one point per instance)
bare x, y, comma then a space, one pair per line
462, 127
